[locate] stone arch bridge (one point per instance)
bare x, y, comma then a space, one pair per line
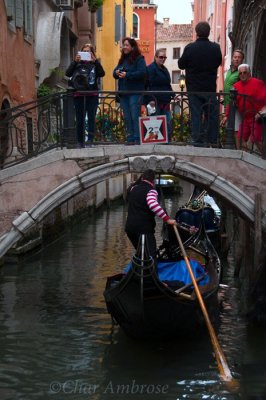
30, 191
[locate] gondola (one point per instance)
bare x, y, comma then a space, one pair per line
149, 300
201, 208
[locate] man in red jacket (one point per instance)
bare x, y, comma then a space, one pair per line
250, 100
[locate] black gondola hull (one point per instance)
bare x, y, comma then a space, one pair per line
146, 308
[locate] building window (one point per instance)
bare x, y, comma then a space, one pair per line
10, 10
28, 17
99, 17
135, 26
175, 77
19, 14
176, 53
117, 23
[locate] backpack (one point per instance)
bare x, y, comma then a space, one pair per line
83, 77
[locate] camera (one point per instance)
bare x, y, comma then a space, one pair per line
85, 55
122, 69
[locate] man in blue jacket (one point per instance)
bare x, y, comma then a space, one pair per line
201, 60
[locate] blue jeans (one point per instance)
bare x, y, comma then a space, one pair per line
204, 118
163, 109
85, 105
131, 106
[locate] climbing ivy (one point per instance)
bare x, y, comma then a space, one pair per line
94, 4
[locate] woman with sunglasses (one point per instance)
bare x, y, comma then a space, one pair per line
131, 75
84, 73
159, 80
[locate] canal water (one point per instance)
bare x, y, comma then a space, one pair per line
57, 340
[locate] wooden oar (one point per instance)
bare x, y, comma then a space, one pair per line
224, 370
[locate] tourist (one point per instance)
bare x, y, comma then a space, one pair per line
250, 100
159, 80
84, 74
232, 77
131, 75
201, 60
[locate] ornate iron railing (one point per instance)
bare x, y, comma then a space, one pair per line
49, 122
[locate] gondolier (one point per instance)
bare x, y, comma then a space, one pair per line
143, 206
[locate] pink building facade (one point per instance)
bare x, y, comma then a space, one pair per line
17, 83
219, 14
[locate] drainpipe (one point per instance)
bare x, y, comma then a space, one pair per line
263, 117
225, 38
155, 23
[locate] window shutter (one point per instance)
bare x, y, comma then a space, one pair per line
117, 23
99, 16
123, 27
28, 17
10, 9
19, 13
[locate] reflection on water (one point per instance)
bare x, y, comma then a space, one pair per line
57, 340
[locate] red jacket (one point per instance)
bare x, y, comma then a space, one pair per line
255, 98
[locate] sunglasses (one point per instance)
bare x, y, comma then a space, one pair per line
162, 57
243, 73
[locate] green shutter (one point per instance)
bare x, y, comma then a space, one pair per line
10, 8
99, 16
19, 13
117, 23
28, 17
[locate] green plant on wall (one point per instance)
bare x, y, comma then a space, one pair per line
49, 85
44, 90
94, 4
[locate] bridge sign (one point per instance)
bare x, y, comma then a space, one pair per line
153, 129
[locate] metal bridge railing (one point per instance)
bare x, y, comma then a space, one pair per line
49, 122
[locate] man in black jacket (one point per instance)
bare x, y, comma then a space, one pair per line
201, 60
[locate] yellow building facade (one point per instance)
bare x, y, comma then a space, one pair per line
113, 22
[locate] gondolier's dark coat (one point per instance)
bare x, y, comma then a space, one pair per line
140, 218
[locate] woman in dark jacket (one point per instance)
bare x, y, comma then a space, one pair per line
84, 79
131, 74
159, 80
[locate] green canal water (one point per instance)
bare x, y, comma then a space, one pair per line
57, 340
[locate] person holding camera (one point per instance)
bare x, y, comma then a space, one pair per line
84, 73
131, 75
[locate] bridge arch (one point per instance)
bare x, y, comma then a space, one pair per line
186, 170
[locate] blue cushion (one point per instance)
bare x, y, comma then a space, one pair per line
178, 271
